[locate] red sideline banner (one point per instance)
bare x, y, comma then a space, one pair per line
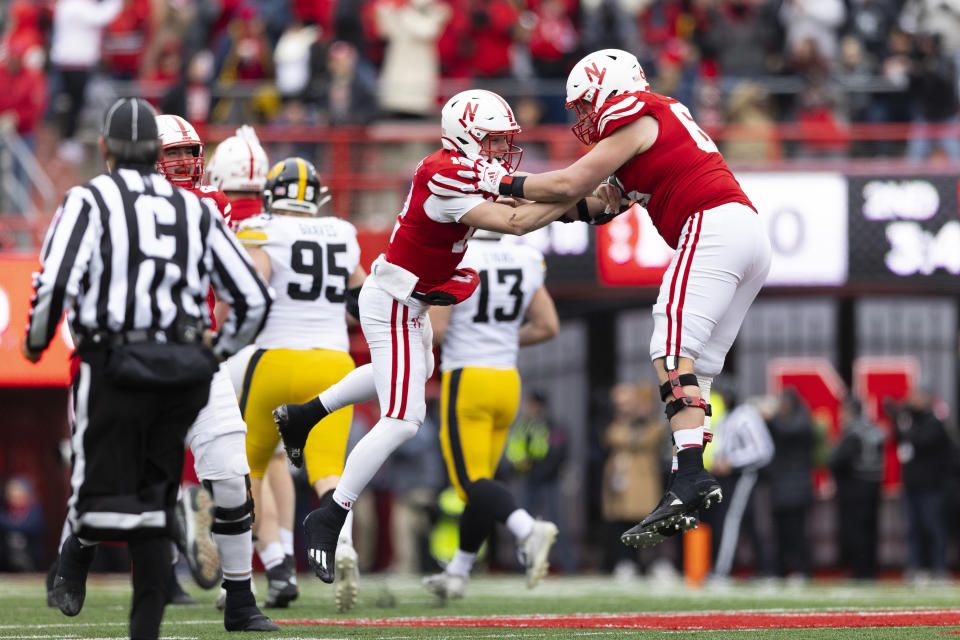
16, 289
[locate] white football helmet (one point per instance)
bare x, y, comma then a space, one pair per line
594, 79
176, 132
238, 163
468, 119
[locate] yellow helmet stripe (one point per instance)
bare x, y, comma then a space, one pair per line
302, 183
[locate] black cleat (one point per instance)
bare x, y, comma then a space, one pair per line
51, 574
282, 586
322, 527
641, 537
70, 582
687, 493
294, 422
242, 614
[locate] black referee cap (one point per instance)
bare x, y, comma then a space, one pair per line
130, 132
130, 120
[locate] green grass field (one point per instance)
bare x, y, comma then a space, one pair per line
24, 614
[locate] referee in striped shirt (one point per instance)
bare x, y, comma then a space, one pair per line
132, 257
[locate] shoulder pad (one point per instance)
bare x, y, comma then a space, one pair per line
622, 110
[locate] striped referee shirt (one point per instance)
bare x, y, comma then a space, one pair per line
129, 251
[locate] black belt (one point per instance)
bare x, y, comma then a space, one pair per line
100, 339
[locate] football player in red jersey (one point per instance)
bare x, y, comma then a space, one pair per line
649, 150
441, 212
238, 168
217, 438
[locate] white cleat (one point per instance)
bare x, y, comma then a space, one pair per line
534, 551
195, 513
446, 585
347, 577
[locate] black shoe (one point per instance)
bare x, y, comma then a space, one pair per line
294, 422
51, 574
282, 586
241, 613
70, 583
175, 593
641, 537
322, 527
688, 492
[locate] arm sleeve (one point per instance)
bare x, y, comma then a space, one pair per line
235, 280
65, 255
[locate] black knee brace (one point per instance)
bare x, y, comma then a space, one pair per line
673, 388
238, 519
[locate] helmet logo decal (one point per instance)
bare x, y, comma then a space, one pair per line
469, 109
594, 74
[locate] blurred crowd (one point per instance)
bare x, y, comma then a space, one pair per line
796, 498
753, 62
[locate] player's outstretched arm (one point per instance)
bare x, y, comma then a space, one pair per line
517, 220
542, 322
440, 318
580, 178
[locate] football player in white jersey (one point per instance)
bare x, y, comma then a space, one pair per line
479, 340
312, 263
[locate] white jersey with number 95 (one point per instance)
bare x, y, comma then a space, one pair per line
311, 260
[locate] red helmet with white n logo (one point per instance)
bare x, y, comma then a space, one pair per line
471, 118
596, 78
175, 132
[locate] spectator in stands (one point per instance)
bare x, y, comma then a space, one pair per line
632, 479
348, 95
869, 22
248, 61
125, 40
924, 450
739, 36
749, 106
23, 31
933, 89
934, 17
190, 98
411, 66
75, 53
291, 57
857, 466
163, 70
21, 526
490, 37
612, 24
791, 477
819, 21
23, 100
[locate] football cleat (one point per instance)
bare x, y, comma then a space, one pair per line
282, 586
642, 538
446, 585
294, 422
687, 493
534, 551
348, 577
242, 614
195, 515
70, 582
322, 530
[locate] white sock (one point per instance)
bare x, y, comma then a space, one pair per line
286, 539
357, 386
674, 464
461, 564
705, 383
520, 523
369, 455
346, 533
686, 438
271, 555
236, 551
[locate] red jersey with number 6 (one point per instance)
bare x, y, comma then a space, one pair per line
428, 239
682, 173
